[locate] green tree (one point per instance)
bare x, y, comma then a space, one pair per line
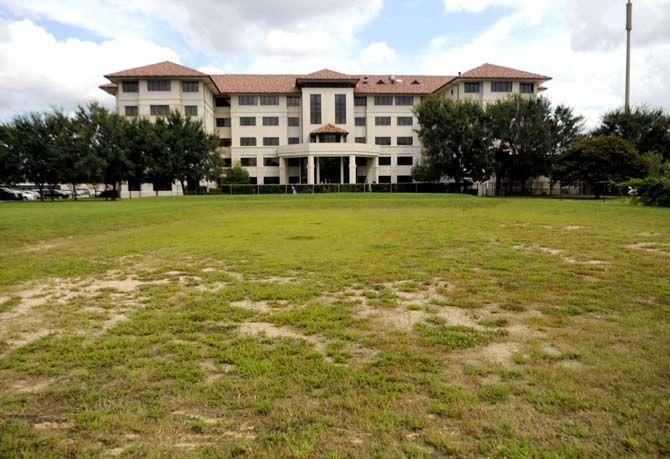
236, 175
193, 152
31, 145
424, 172
455, 139
599, 159
566, 128
523, 132
105, 135
647, 129
10, 162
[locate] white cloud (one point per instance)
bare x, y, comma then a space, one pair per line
377, 53
217, 27
38, 71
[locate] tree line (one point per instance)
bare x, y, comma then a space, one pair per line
97, 146
518, 138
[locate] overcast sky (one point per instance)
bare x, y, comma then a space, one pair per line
54, 52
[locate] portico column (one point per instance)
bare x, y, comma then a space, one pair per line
310, 170
318, 170
341, 169
373, 175
352, 169
283, 171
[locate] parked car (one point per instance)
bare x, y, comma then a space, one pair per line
18, 194
108, 194
7, 195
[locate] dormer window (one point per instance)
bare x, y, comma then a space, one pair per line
415, 82
381, 82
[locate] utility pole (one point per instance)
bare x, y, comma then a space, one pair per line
629, 28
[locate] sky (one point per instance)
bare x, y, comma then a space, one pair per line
54, 53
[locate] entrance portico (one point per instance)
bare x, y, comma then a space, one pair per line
315, 163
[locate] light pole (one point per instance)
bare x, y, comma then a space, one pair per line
629, 28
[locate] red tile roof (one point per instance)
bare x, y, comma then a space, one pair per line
404, 84
256, 84
162, 69
490, 71
327, 74
287, 84
329, 129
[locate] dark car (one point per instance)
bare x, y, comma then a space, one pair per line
7, 195
108, 194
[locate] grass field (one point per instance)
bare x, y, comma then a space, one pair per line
334, 325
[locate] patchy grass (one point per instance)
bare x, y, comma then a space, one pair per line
334, 325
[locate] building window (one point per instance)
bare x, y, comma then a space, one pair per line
404, 100
190, 86
472, 87
405, 121
269, 100
271, 162
225, 142
382, 120
158, 85
360, 140
292, 101
248, 162
130, 86
315, 108
501, 86
270, 121
405, 140
384, 160
131, 110
527, 88
270, 141
340, 109
223, 101
359, 121
191, 110
329, 138
405, 179
247, 141
405, 160
293, 140
383, 100
293, 121
382, 141
247, 121
384, 179
246, 100
253, 180
271, 181
227, 162
293, 162
360, 101
223, 122
159, 110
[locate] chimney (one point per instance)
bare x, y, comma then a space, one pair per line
392, 78
365, 79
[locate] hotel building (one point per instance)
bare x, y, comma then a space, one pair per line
322, 127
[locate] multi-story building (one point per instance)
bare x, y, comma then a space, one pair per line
322, 127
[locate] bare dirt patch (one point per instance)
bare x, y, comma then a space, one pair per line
651, 247
272, 331
558, 253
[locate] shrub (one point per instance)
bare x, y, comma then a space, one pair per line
651, 191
